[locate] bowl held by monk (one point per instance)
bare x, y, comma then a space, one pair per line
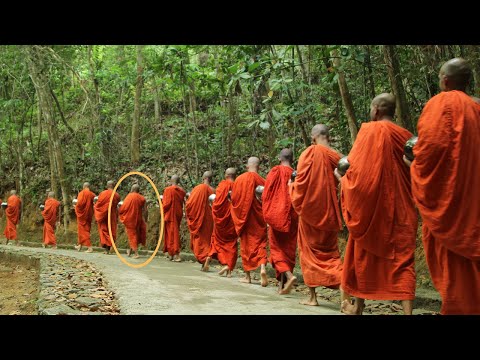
408, 149
211, 198
4, 205
294, 175
343, 165
259, 192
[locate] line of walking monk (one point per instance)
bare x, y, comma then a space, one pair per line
379, 197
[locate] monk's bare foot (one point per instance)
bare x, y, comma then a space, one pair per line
129, 252
78, 247
229, 273
177, 258
136, 256
309, 302
44, 246
89, 250
246, 280
288, 286
223, 270
263, 275
205, 267
350, 309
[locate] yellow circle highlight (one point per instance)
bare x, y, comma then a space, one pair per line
162, 219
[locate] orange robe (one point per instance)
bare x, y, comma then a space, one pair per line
84, 212
101, 215
247, 216
50, 215
131, 215
380, 214
172, 203
200, 221
314, 198
224, 237
13, 217
446, 189
282, 219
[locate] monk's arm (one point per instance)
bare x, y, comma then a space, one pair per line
167, 201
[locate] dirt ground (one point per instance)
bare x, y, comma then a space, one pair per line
19, 290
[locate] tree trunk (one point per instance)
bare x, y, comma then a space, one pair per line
368, 64
40, 78
158, 119
393, 67
135, 143
346, 98
475, 63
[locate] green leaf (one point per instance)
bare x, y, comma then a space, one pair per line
276, 114
233, 69
245, 75
253, 66
265, 125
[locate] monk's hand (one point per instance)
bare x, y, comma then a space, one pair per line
337, 174
406, 161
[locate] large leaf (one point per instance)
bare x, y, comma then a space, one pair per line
265, 125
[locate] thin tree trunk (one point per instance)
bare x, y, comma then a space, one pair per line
158, 119
96, 102
135, 144
393, 67
475, 63
40, 81
368, 64
346, 98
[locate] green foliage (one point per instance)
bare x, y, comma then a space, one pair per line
203, 107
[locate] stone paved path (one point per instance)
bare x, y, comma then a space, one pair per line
165, 287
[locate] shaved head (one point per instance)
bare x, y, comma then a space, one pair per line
110, 184
253, 164
286, 155
320, 134
207, 175
135, 188
13, 192
253, 161
230, 173
86, 185
383, 106
51, 194
455, 74
175, 179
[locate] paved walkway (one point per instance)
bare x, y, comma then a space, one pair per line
165, 287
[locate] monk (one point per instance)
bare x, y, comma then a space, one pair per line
51, 215
133, 213
13, 212
84, 212
101, 215
173, 198
249, 223
446, 189
314, 198
379, 211
282, 219
224, 237
199, 219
